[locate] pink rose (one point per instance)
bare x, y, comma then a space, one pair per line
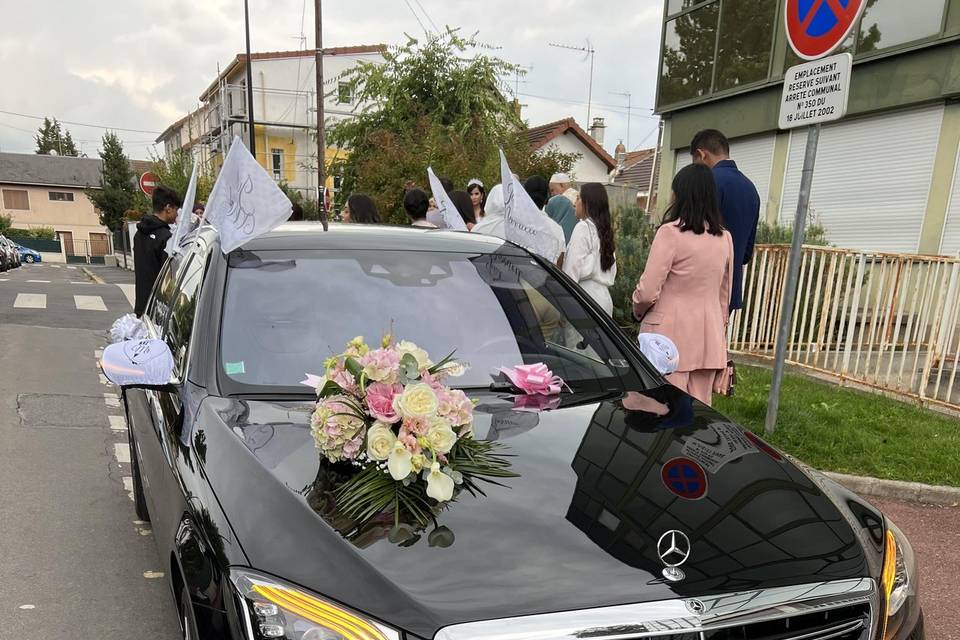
380, 401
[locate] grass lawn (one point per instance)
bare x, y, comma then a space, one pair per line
848, 431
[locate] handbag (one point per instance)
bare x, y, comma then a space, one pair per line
726, 381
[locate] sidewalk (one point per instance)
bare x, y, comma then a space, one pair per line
110, 275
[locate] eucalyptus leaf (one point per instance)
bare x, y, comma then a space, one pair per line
409, 368
441, 537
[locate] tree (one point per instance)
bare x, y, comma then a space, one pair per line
438, 103
52, 137
117, 192
175, 174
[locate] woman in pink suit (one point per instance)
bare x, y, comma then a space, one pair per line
684, 292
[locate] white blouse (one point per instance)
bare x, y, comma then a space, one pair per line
582, 263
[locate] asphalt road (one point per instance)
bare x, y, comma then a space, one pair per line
74, 561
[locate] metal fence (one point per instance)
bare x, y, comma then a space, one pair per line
889, 321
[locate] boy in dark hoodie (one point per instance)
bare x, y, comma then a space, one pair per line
153, 231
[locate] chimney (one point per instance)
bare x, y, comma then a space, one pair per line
596, 130
620, 154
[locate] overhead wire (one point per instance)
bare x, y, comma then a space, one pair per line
79, 124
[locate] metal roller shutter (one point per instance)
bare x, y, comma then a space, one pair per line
754, 158
950, 245
871, 180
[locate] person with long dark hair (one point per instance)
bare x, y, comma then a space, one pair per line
461, 199
360, 209
478, 196
684, 292
590, 258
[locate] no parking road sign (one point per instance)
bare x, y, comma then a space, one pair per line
817, 27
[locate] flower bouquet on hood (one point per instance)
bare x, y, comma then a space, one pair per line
409, 438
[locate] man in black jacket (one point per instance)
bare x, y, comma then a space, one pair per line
153, 231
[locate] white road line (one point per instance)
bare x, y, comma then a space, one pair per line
74, 268
129, 292
74, 282
128, 485
39, 281
111, 399
30, 301
103, 379
153, 575
54, 266
121, 450
89, 303
98, 353
4, 279
117, 423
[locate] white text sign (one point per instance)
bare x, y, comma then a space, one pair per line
816, 92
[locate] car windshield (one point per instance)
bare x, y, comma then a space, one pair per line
284, 313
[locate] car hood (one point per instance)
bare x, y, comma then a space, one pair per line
600, 482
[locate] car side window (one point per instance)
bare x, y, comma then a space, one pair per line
183, 309
159, 306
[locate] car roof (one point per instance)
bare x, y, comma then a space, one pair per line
310, 235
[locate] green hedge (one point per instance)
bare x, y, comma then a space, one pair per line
39, 233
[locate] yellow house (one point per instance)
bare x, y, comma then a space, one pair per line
48, 191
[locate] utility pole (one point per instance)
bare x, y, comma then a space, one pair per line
589, 50
321, 133
629, 98
252, 138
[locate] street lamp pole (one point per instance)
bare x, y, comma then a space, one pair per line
321, 133
252, 139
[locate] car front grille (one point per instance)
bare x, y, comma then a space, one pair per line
844, 623
840, 610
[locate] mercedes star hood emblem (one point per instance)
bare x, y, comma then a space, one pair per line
673, 547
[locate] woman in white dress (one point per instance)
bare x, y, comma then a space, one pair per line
590, 258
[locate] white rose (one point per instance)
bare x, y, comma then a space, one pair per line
416, 401
405, 347
400, 462
439, 484
380, 441
441, 436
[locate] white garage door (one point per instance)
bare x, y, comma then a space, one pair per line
950, 246
754, 158
871, 180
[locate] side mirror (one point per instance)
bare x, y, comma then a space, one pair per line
138, 363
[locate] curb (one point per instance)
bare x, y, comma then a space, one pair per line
898, 490
93, 276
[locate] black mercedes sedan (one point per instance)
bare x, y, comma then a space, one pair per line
634, 511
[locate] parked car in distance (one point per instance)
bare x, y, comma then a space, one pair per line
636, 511
28, 255
11, 256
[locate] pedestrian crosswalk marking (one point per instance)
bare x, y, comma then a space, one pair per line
4, 279
30, 301
111, 399
89, 303
74, 268
54, 266
122, 451
117, 423
39, 281
129, 292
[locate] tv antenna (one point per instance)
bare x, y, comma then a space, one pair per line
629, 98
590, 53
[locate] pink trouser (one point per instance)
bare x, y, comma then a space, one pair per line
698, 384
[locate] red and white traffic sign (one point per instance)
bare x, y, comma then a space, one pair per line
149, 182
816, 27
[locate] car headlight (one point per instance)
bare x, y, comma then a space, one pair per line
274, 609
899, 576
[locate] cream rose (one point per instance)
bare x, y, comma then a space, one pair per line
380, 441
441, 436
405, 347
417, 401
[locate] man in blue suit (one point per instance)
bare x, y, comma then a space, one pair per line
739, 201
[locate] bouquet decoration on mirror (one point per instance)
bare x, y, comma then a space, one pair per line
401, 439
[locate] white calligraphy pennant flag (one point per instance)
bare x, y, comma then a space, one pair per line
524, 223
185, 222
245, 201
447, 213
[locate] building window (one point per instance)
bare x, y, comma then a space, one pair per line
60, 196
688, 51
676, 6
16, 199
276, 163
746, 37
345, 93
888, 23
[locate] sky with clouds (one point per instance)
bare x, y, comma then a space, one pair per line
137, 65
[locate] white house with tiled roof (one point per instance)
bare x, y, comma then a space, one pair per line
566, 136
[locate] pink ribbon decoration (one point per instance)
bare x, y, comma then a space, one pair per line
534, 379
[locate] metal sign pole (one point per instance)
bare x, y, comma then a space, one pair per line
793, 271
